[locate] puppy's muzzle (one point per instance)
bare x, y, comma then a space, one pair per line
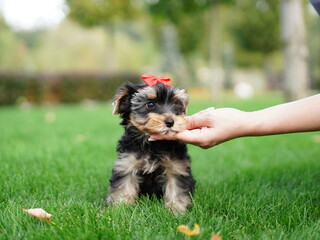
169, 122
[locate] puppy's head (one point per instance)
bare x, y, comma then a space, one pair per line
157, 109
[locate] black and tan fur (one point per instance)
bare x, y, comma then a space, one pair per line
160, 168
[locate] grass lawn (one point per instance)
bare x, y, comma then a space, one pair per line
60, 159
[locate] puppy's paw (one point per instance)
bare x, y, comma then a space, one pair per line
114, 199
178, 206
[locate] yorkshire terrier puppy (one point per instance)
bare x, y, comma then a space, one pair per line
159, 168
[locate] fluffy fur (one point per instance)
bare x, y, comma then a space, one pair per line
160, 168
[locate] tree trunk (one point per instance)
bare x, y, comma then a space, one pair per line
270, 73
295, 51
111, 55
172, 60
217, 73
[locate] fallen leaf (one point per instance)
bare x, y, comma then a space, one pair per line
215, 237
187, 231
40, 214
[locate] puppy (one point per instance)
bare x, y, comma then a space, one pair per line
159, 168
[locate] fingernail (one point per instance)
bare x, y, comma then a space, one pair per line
150, 139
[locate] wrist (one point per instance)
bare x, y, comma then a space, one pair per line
261, 123
252, 124
242, 124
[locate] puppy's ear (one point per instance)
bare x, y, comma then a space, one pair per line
121, 102
183, 96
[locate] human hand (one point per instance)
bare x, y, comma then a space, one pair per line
210, 127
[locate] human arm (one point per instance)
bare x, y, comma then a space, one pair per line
214, 126
299, 116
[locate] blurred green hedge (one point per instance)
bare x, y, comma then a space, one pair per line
62, 87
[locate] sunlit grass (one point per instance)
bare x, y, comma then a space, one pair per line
249, 188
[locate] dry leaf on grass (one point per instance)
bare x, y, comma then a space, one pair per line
40, 214
187, 231
215, 237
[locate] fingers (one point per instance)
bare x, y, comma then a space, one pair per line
200, 119
176, 136
187, 136
197, 137
190, 136
156, 137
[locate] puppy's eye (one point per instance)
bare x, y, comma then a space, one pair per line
150, 105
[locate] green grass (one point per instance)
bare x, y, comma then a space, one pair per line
249, 188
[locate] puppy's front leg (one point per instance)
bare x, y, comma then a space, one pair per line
124, 183
179, 185
123, 189
176, 198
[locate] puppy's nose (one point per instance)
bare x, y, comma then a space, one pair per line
169, 122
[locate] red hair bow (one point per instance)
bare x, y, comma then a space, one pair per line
151, 80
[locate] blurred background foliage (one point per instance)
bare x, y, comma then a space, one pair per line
207, 46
